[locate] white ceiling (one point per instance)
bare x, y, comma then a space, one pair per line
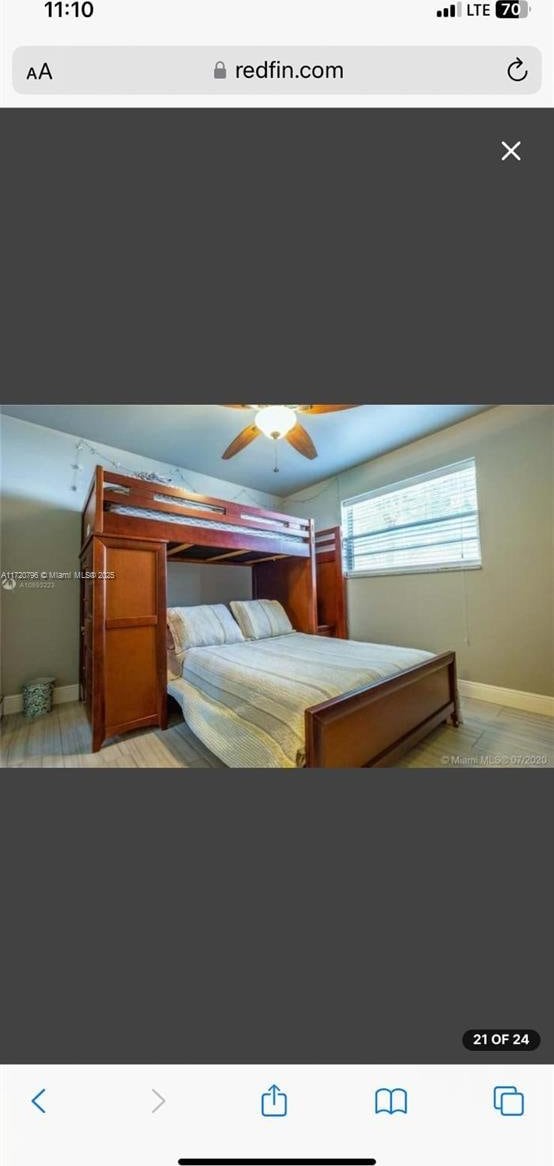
194, 437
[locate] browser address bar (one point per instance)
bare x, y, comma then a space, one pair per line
52, 70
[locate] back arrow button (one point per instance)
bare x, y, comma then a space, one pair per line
35, 1100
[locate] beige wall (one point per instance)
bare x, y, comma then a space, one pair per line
40, 515
189, 583
499, 619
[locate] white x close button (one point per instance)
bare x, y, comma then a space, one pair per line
511, 151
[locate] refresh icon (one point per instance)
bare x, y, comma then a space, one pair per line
515, 70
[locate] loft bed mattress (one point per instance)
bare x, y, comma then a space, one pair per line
246, 701
183, 520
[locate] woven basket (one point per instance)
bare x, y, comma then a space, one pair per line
37, 697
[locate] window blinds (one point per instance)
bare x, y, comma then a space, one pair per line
428, 523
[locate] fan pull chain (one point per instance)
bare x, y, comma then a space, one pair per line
275, 457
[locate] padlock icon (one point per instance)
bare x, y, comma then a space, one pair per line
220, 72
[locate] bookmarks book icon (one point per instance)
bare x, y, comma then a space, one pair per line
391, 1101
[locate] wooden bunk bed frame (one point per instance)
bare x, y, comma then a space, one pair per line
123, 616
330, 583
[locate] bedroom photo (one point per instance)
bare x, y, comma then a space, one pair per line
277, 586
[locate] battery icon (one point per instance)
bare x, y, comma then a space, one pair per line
512, 9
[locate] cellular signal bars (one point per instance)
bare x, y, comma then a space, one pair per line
450, 10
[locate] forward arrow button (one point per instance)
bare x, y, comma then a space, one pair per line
160, 1102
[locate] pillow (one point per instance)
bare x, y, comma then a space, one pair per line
173, 665
260, 618
202, 626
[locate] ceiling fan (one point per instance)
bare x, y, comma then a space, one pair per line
277, 421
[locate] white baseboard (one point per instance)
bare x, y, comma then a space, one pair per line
63, 694
529, 702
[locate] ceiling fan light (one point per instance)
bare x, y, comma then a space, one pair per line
276, 420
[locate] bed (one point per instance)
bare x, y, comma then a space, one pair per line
120, 506
276, 702
132, 528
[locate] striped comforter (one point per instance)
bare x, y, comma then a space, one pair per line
246, 701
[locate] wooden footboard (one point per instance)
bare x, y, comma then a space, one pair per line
375, 725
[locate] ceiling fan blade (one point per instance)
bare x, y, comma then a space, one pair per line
244, 438
301, 441
323, 408
237, 406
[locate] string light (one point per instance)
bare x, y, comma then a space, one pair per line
328, 484
77, 468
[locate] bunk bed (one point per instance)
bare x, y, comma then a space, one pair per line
131, 529
330, 583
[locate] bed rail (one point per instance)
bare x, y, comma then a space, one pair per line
239, 527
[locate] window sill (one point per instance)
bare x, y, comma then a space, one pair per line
412, 571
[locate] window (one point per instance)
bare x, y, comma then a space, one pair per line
428, 523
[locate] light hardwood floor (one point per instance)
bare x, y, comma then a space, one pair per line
491, 736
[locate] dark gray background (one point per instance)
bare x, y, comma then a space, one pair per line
365, 916
383, 255
337, 917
